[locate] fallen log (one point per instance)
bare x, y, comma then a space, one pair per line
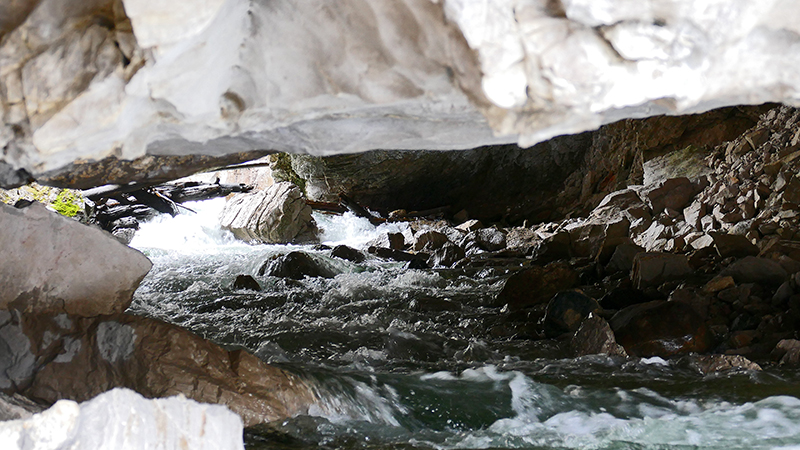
359, 210
326, 206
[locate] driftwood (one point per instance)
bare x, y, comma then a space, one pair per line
326, 206
359, 210
115, 202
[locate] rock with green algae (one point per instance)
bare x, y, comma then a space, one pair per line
67, 202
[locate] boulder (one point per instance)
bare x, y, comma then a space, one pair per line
674, 193
733, 245
79, 358
708, 364
429, 240
15, 406
277, 215
565, 312
446, 256
53, 264
348, 253
594, 337
620, 298
622, 258
788, 352
296, 265
246, 282
536, 285
661, 328
123, 419
654, 269
752, 269
483, 240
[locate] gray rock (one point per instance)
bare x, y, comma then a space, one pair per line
429, 240
654, 269
622, 258
674, 193
708, 364
276, 215
15, 406
566, 310
296, 265
55, 264
446, 256
246, 282
348, 253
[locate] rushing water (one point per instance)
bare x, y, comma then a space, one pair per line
420, 359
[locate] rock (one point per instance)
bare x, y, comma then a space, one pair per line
661, 328
278, 215
470, 225
246, 282
393, 241
718, 283
753, 269
429, 241
396, 255
654, 269
733, 245
296, 265
52, 264
79, 358
565, 312
594, 337
348, 253
620, 298
707, 364
674, 193
121, 418
693, 213
536, 285
483, 240
446, 256
623, 256
15, 406
788, 351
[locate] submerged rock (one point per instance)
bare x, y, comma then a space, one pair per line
296, 265
53, 264
722, 363
277, 215
348, 253
124, 419
246, 282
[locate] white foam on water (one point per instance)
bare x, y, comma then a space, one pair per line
351, 230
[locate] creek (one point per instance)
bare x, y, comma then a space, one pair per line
403, 358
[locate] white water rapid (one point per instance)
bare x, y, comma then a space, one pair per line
417, 358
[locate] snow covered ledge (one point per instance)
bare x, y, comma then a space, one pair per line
216, 77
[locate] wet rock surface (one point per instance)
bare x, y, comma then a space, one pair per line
69, 357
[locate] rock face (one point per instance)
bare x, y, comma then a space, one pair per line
52, 264
277, 215
122, 418
66, 357
134, 80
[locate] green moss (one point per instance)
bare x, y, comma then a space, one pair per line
281, 166
67, 203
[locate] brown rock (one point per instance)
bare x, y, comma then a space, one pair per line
536, 285
348, 253
566, 310
661, 328
707, 364
296, 265
594, 337
654, 269
788, 350
693, 213
91, 356
246, 282
623, 256
733, 245
718, 283
674, 193
756, 270
429, 241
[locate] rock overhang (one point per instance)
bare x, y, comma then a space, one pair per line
211, 78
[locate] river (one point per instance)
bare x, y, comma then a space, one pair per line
420, 359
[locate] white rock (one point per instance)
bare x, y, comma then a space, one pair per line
215, 77
53, 264
122, 419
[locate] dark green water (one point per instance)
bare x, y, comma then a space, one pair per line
419, 359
